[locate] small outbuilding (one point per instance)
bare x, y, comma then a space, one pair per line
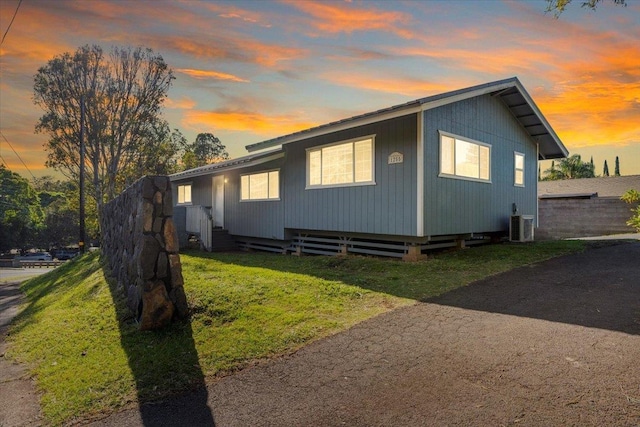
444, 170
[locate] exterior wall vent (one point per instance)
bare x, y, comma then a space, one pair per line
521, 228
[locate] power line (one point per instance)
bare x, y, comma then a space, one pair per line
14, 17
25, 165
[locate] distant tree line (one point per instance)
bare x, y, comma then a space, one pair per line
605, 168
44, 213
573, 167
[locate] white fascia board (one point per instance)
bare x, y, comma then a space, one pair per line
508, 84
347, 124
428, 105
544, 121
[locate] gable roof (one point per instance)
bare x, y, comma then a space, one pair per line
510, 91
606, 186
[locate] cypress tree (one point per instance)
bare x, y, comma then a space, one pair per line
617, 169
605, 169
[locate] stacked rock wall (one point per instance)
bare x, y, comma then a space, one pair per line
140, 242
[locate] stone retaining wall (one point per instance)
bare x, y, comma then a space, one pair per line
574, 217
140, 242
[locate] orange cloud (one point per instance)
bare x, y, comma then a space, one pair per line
180, 104
597, 102
34, 51
268, 55
245, 50
205, 74
499, 61
411, 87
240, 15
29, 150
351, 54
593, 114
246, 121
335, 18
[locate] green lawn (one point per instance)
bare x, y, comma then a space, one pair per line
89, 357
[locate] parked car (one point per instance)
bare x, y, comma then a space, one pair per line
35, 256
64, 254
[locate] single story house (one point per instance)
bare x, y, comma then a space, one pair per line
433, 172
585, 207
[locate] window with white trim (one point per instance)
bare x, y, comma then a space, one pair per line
518, 166
184, 194
344, 163
260, 186
464, 158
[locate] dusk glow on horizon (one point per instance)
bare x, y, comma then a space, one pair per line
248, 71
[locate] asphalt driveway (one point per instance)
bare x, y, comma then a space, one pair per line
557, 343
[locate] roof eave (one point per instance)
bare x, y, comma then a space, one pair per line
216, 168
550, 146
361, 120
544, 152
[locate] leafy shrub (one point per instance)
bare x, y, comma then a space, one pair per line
632, 196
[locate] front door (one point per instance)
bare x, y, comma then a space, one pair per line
218, 201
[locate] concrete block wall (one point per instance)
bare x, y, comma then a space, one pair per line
561, 218
140, 242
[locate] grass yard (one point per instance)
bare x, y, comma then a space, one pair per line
89, 357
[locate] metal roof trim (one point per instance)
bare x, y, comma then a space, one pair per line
430, 102
351, 122
251, 160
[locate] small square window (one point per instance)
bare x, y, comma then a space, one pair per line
184, 194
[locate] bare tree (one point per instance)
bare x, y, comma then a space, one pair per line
123, 93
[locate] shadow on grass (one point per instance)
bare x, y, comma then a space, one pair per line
165, 366
597, 288
50, 283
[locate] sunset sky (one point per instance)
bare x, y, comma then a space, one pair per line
247, 71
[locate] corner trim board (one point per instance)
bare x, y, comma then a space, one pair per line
420, 176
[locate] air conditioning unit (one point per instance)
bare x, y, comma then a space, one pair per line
521, 228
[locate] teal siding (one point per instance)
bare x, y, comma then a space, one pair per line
454, 206
254, 219
264, 218
200, 190
451, 206
388, 207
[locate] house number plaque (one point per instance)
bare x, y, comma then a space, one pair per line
395, 157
